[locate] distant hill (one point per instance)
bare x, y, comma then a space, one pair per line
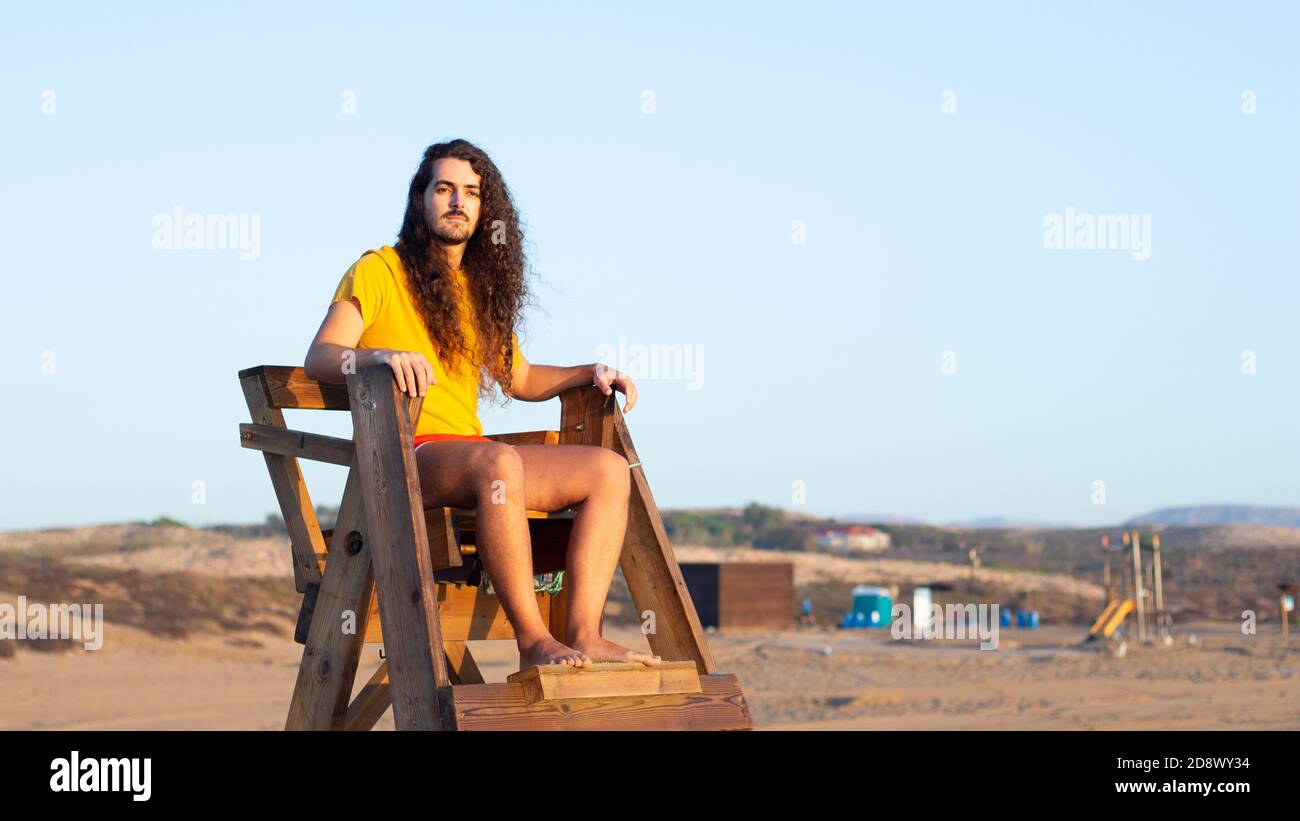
986, 523
883, 519
1001, 523
1221, 515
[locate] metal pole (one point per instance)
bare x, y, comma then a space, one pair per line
1124, 577
1161, 621
1137, 588
1105, 568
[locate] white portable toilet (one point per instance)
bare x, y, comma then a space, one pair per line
921, 599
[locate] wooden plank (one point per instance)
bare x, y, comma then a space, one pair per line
382, 427
557, 682
465, 614
444, 547
649, 566
299, 444
330, 657
466, 516
549, 533
532, 437
371, 703
303, 628
719, 706
460, 661
756, 594
305, 539
288, 387
374, 699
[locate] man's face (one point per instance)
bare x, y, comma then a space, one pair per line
452, 200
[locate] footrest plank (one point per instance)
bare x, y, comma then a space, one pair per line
556, 682
501, 706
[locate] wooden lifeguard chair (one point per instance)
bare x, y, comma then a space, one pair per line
392, 571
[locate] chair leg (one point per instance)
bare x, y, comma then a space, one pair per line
375, 697
399, 547
461, 664
371, 703
330, 657
588, 417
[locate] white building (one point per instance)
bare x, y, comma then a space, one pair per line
852, 539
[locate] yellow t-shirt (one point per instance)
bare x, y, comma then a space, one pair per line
392, 321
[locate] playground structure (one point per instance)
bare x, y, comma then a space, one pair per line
395, 572
1133, 588
1286, 604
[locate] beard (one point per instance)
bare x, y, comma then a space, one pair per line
452, 232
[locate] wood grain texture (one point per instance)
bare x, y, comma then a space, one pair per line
305, 539
330, 656
719, 706
298, 444
288, 387
557, 682
382, 423
371, 703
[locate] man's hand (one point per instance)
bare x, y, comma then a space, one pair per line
609, 380
412, 369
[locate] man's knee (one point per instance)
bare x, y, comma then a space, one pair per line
613, 472
497, 462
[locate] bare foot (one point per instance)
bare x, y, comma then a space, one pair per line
599, 649
546, 650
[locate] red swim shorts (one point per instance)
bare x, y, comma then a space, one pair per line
448, 437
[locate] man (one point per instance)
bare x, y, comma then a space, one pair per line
440, 308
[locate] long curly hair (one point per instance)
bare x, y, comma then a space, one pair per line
494, 264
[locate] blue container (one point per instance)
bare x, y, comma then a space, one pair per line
872, 605
1004, 617
1027, 619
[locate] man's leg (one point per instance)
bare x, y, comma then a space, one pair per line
557, 476
489, 477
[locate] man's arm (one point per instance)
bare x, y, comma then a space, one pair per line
333, 353
538, 383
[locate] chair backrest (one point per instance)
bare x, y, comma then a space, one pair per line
285, 386
269, 390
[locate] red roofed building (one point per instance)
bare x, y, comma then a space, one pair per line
852, 539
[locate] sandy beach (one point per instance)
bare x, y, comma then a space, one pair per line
1044, 681
226, 665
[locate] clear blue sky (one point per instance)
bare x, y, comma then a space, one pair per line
822, 360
